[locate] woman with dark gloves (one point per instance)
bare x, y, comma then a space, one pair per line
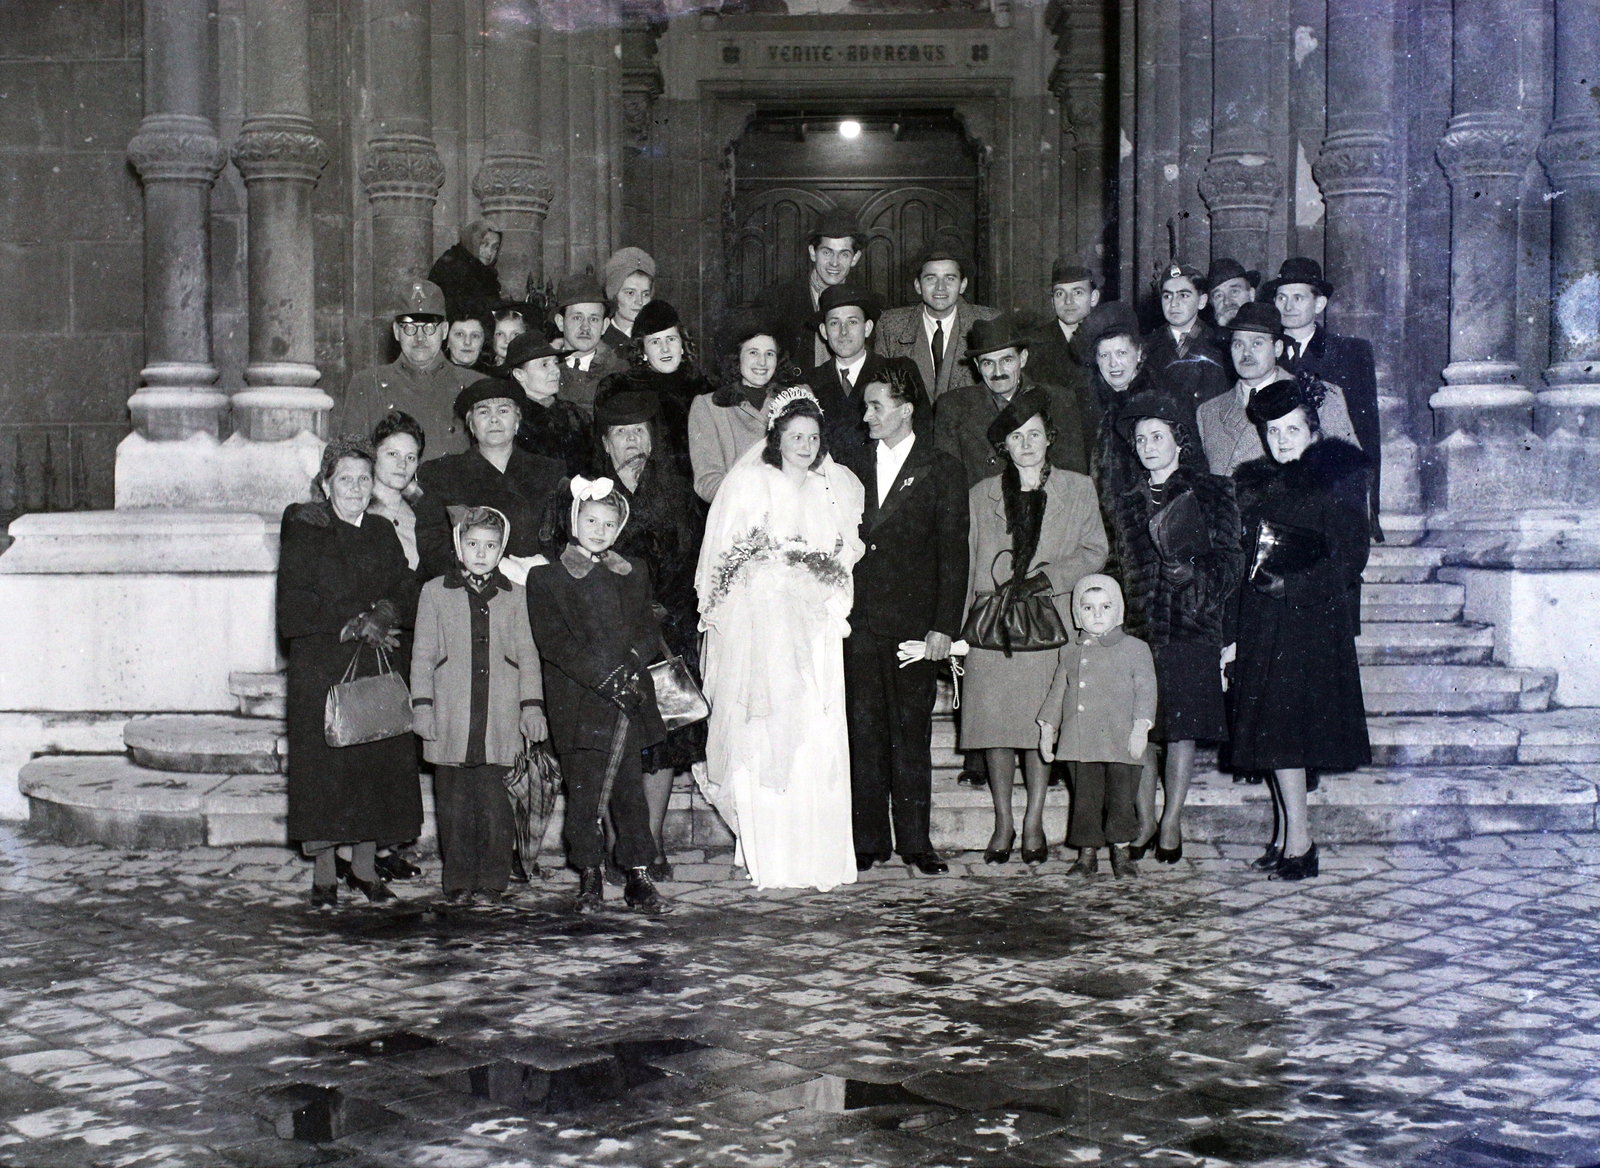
1296, 683
1030, 517
1176, 534
664, 364
344, 590
664, 529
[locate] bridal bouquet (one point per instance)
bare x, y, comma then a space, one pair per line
757, 547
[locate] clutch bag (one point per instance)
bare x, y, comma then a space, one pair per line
678, 697
1179, 530
1281, 548
366, 709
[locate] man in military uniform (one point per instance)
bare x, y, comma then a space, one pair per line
581, 317
835, 248
421, 381
930, 332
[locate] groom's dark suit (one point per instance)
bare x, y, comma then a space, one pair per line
911, 581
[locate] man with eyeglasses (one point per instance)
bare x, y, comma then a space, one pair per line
421, 381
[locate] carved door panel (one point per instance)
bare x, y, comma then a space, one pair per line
769, 239
903, 221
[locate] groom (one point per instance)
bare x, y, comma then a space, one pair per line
909, 586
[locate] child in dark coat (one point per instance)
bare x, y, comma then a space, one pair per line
591, 616
476, 695
1103, 700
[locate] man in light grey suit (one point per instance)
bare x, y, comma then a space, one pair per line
931, 331
1227, 436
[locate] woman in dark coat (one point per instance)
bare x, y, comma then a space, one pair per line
466, 273
1176, 532
664, 363
343, 585
1297, 686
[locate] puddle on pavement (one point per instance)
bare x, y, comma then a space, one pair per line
524, 1087
320, 1115
388, 1045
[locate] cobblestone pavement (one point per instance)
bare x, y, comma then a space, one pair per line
1414, 1006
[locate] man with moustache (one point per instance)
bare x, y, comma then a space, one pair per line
845, 319
1227, 436
930, 331
910, 585
586, 359
1300, 295
834, 248
421, 381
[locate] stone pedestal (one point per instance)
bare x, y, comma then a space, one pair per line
512, 185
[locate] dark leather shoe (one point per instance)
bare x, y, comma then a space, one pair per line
519, 874
376, 891
1267, 861
591, 891
641, 894
1121, 866
1000, 855
928, 863
865, 860
394, 866
1087, 863
972, 779
325, 897
1036, 855
1137, 851
1301, 867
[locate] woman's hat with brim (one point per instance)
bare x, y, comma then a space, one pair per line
626, 404
1151, 403
1022, 406
525, 347
1298, 270
1006, 331
1274, 401
487, 389
741, 328
656, 317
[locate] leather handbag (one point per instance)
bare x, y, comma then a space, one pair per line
678, 696
366, 709
1019, 616
1178, 530
1281, 548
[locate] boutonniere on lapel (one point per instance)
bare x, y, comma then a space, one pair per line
907, 481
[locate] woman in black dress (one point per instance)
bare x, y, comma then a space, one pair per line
1176, 531
344, 588
665, 362
1297, 701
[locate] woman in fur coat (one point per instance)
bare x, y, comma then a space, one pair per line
1176, 532
1297, 694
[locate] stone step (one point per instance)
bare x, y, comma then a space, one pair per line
1401, 565
1454, 689
1442, 642
1412, 602
208, 744
260, 695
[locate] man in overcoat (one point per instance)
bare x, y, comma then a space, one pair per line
586, 359
1074, 291
845, 318
834, 248
1300, 295
910, 585
931, 331
999, 350
1184, 356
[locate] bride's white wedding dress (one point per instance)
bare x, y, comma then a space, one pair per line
775, 591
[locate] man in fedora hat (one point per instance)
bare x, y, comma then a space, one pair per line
845, 319
1183, 356
1227, 435
998, 349
834, 248
1300, 294
930, 331
1232, 287
581, 317
421, 382
1055, 358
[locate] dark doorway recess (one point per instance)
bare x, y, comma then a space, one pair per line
911, 177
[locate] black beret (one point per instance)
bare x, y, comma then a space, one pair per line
656, 317
1271, 402
487, 389
1149, 404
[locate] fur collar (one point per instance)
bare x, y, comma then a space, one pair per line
1324, 463
580, 563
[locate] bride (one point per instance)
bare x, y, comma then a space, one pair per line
775, 593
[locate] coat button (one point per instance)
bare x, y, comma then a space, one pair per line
1080, 709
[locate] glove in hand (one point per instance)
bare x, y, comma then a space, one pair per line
376, 626
623, 687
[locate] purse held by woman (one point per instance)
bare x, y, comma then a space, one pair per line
366, 709
1019, 616
678, 697
1282, 548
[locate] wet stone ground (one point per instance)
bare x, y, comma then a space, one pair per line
1414, 1006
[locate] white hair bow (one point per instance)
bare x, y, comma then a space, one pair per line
583, 488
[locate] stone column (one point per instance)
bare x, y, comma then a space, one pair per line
178, 157
1358, 171
1571, 155
512, 185
280, 156
580, 82
1242, 183
401, 170
1078, 82
1485, 152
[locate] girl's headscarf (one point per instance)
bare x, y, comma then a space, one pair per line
480, 517
1107, 585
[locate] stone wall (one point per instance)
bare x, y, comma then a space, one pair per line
71, 250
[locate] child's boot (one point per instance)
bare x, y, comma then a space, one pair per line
641, 893
1121, 866
1087, 863
591, 891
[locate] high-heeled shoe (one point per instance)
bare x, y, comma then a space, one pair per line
1267, 860
1301, 867
1000, 855
1169, 855
1035, 855
376, 891
1137, 851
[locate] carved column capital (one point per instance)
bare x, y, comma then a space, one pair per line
1242, 182
1357, 163
1571, 150
402, 167
1479, 146
177, 148
516, 183
280, 148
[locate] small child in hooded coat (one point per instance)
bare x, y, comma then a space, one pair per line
1103, 702
476, 694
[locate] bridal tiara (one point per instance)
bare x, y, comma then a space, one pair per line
784, 397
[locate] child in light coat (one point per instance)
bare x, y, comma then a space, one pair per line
476, 695
1103, 701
